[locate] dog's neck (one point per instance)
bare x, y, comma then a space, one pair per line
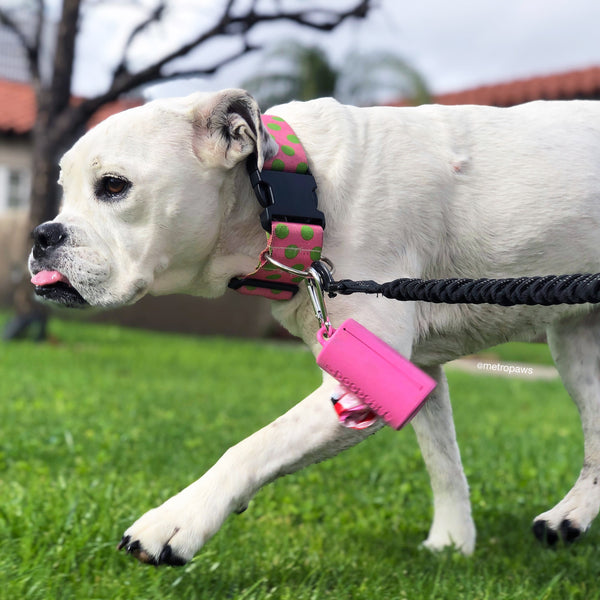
288, 211
241, 237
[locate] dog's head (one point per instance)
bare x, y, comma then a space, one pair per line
143, 200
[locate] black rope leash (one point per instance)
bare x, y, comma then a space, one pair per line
547, 290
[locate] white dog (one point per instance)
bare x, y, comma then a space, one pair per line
157, 200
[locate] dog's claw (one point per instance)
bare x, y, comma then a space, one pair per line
124, 541
134, 548
168, 558
544, 533
541, 530
567, 532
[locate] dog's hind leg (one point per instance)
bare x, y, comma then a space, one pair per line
575, 347
452, 521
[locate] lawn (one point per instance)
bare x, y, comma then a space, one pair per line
104, 423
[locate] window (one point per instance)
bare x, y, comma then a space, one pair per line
14, 188
18, 189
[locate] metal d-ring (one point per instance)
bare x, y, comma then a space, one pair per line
291, 270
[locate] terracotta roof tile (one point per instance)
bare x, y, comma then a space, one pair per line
112, 108
584, 83
18, 108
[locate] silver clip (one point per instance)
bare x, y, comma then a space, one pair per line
314, 285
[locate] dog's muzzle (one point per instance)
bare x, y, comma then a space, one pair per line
51, 284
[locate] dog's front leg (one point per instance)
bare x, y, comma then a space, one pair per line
452, 521
310, 432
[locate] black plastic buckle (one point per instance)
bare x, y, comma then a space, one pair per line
287, 197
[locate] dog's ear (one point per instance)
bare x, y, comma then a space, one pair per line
235, 130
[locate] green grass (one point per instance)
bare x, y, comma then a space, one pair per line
105, 423
537, 354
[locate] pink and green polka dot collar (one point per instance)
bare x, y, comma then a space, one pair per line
291, 156
292, 244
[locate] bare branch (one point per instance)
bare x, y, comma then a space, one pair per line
214, 68
9, 22
64, 56
123, 81
154, 17
31, 49
231, 26
308, 18
78, 115
34, 61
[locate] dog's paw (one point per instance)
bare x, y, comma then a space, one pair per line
457, 532
161, 537
565, 531
571, 517
172, 533
465, 547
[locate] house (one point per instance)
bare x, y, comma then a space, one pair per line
17, 117
17, 114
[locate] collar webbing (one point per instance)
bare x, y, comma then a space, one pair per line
291, 156
286, 189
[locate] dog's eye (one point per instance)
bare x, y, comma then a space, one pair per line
110, 187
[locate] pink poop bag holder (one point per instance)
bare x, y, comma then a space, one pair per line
373, 373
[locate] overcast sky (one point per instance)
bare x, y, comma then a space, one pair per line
455, 44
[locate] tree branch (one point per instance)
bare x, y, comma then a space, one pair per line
154, 17
215, 67
229, 25
124, 82
31, 49
9, 22
34, 61
153, 71
304, 17
78, 115
59, 91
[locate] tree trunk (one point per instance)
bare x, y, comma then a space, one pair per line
49, 139
44, 203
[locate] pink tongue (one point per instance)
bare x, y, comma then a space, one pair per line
48, 278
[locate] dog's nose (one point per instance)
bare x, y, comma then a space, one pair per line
48, 236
